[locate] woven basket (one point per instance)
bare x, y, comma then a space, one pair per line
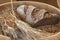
37, 4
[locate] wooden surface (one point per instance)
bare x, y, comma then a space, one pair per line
58, 3
4, 1
52, 2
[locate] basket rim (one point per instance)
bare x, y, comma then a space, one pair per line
32, 2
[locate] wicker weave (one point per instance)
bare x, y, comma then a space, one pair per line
15, 27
